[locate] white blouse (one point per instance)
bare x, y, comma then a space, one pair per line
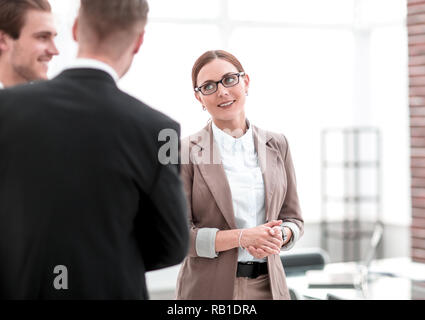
242, 168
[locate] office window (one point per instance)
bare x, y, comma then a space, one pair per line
300, 11
186, 9
382, 11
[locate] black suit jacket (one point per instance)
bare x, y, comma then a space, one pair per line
81, 186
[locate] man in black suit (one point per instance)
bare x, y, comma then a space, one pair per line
87, 202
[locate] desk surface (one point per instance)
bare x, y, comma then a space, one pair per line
407, 282
401, 287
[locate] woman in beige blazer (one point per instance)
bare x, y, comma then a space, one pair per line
241, 192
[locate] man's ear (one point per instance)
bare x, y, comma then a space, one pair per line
4, 46
75, 30
139, 42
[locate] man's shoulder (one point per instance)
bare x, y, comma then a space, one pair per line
25, 87
113, 100
24, 93
146, 113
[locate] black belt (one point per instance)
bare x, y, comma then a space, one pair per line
251, 269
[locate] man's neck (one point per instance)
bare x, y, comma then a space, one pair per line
8, 77
104, 59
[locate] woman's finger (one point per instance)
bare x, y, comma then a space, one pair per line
275, 231
255, 253
251, 250
277, 242
269, 250
273, 223
272, 243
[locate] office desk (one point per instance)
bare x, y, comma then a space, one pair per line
405, 280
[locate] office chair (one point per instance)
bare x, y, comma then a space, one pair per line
331, 296
294, 294
297, 262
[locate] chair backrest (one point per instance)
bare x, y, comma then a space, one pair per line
294, 294
298, 261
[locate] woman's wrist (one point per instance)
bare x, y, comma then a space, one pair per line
288, 232
240, 239
228, 239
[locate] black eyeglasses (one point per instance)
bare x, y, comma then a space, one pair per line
227, 81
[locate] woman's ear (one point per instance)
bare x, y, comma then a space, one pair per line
198, 97
246, 82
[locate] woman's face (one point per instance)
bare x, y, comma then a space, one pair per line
226, 104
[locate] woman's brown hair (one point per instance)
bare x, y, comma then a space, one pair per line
207, 57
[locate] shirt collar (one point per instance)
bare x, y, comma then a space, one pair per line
1, 86
227, 141
94, 64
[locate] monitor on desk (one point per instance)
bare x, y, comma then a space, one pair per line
347, 278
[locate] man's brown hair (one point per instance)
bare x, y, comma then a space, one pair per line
12, 14
107, 17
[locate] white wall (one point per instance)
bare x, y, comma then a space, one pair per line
313, 64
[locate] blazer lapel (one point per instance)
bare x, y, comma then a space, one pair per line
206, 156
267, 158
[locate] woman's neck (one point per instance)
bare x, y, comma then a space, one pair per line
235, 127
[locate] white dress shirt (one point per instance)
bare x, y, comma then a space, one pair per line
240, 163
1, 86
83, 63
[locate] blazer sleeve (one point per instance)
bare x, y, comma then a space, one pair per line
187, 177
187, 173
291, 211
165, 236
202, 240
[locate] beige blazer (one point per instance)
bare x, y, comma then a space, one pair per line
210, 206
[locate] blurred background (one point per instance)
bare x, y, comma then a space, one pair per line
332, 75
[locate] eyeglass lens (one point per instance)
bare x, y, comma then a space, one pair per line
228, 81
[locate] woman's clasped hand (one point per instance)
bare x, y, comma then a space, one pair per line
263, 240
